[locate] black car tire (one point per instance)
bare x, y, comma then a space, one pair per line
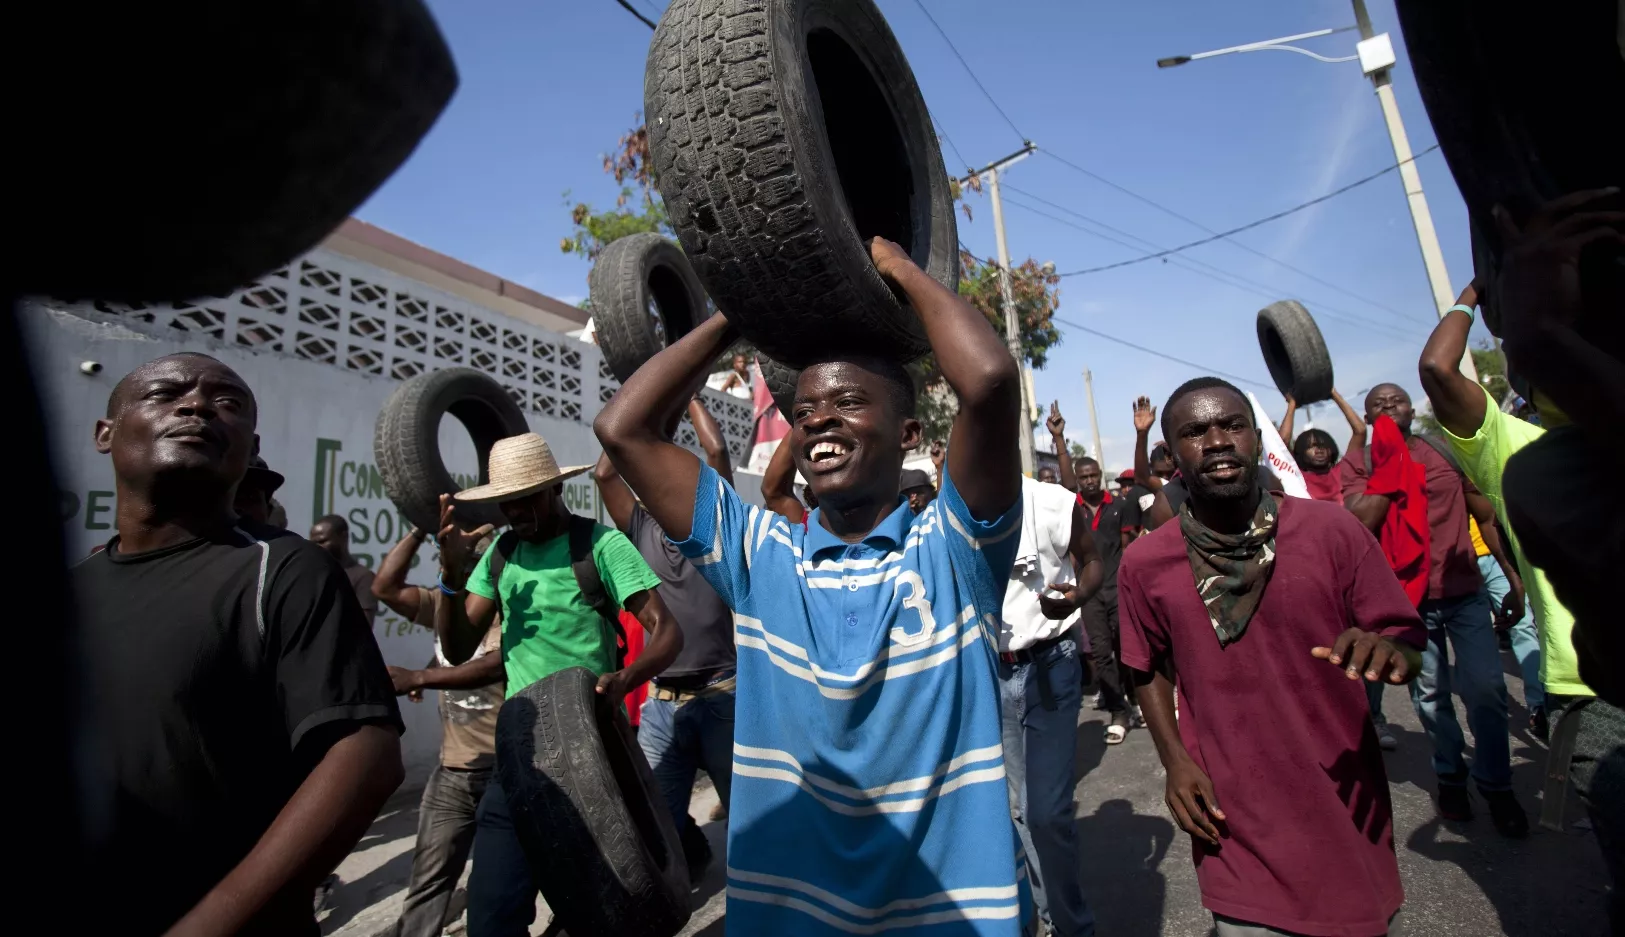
644, 297
784, 135
595, 830
406, 441
1295, 352
193, 147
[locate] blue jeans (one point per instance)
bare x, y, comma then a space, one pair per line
681, 738
1467, 623
1039, 753
1525, 640
501, 893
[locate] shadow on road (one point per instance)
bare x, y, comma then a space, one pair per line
1122, 877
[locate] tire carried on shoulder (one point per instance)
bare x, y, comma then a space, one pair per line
644, 297
406, 441
597, 834
784, 135
1295, 352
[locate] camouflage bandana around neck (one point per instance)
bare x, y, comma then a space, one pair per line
1231, 570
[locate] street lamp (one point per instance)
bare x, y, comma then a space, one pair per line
1376, 56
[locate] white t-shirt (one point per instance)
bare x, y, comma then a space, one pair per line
1041, 558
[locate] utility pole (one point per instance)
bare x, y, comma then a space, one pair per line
1094, 417
1012, 328
1444, 295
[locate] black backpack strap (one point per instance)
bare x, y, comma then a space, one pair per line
500, 552
591, 584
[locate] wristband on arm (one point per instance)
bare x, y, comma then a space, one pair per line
1472, 312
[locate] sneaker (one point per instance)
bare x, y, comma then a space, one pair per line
719, 812
1539, 726
1454, 804
1507, 814
1385, 738
696, 852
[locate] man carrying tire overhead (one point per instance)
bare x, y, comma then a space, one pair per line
549, 624
868, 779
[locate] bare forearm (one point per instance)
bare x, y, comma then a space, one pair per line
665, 643
1155, 694
631, 426
712, 441
1066, 474
1370, 510
617, 498
1091, 575
1458, 401
390, 581
1287, 421
1356, 424
318, 826
481, 671
1142, 462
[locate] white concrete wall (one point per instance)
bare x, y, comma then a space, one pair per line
316, 428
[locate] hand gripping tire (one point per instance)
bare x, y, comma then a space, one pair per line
249, 131
406, 441
600, 842
644, 297
1294, 352
784, 134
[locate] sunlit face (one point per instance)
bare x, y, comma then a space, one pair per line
1390, 400
1089, 479
1215, 443
847, 440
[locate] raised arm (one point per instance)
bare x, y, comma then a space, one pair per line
712, 440
1057, 434
1458, 400
632, 426
779, 484
389, 585
1356, 425
454, 625
314, 830
1287, 420
1145, 417
984, 460
618, 499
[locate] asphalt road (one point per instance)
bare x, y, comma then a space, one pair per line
1461, 880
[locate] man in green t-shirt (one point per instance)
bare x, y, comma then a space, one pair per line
547, 626
1484, 439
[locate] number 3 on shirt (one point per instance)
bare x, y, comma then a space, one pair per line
919, 603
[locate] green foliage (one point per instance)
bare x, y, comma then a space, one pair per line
1078, 450
636, 211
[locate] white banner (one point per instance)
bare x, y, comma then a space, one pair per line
1276, 453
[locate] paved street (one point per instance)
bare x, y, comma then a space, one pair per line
1461, 880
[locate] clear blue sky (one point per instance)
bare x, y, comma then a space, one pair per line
547, 88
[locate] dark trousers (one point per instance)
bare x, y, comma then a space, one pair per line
1100, 623
501, 893
1598, 774
445, 837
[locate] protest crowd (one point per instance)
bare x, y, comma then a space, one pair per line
880, 668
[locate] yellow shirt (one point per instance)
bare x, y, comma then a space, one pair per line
1484, 458
1479, 547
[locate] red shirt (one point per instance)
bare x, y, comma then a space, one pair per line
1324, 486
634, 647
1453, 570
1286, 739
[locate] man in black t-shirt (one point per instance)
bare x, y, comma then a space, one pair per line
1115, 522
243, 731
688, 720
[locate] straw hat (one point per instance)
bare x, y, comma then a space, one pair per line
519, 466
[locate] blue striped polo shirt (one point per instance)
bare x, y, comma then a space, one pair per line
868, 777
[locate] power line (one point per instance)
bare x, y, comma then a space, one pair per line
1151, 351
943, 133
1269, 291
641, 18
955, 50
1250, 225
1232, 280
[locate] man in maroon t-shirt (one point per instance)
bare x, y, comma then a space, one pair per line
1272, 614
1455, 609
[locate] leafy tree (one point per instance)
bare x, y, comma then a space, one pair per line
637, 210
1078, 450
